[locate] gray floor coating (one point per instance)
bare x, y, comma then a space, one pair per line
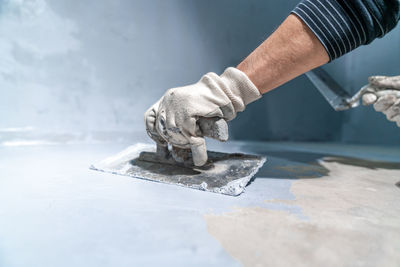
56, 212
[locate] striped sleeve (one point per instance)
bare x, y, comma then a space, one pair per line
343, 25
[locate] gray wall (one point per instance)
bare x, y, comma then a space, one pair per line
82, 66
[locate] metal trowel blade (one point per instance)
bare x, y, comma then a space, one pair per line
224, 173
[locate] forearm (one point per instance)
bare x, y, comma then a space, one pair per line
290, 51
315, 33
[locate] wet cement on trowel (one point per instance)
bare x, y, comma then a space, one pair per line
224, 173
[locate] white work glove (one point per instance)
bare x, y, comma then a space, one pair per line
174, 119
384, 93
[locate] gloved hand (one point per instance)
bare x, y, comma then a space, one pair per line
384, 93
174, 119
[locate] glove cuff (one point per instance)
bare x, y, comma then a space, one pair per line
240, 90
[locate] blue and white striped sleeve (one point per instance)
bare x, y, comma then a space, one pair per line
343, 25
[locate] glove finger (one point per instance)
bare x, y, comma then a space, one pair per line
161, 125
385, 82
384, 102
168, 130
397, 119
368, 99
380, 93
216, 128
150, 121
199, 150
376, 79
393, 111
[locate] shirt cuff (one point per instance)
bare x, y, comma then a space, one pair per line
336, 25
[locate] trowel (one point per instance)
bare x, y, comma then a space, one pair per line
336, 96
223, 173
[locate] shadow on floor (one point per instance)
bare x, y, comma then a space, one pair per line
303, 165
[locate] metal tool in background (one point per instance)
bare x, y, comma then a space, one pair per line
336, 96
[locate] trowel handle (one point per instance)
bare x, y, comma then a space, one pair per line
162, 150
216, 128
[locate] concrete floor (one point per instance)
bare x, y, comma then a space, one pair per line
310, 205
